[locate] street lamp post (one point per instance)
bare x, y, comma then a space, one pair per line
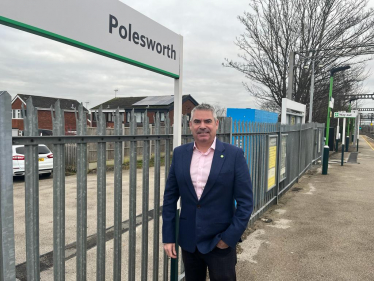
349, 124
326, 149
311, 92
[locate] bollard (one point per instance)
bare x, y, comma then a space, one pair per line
336, 145
342, 155
346, 144
325, 162
357, 144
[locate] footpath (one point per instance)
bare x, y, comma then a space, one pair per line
322, 228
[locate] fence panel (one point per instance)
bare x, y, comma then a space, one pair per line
300, 154
303, 147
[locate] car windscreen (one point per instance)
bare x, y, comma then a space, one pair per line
41, 150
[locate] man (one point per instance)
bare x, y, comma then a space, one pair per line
208, 175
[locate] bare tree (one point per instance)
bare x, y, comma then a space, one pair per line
220, 110
313, 28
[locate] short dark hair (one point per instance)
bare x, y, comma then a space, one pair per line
207, 107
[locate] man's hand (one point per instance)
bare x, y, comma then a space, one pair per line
221, 245
170, 250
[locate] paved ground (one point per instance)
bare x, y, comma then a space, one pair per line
46, 226
323, 228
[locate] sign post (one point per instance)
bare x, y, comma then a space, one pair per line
345, 115
343, 140
326, 148
337, 137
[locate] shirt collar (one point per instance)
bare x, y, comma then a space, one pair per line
213, 146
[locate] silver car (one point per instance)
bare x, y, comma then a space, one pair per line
45, 160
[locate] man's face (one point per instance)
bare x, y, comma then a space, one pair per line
203, 127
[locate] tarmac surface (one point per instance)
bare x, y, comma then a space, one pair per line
322, 229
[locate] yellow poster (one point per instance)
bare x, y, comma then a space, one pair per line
272, 160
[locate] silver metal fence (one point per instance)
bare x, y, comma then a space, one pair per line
302, 144
297, 147
59, 140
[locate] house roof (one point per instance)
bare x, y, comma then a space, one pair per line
47, 102
119, 102
141, 102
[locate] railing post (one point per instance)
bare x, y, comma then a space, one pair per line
299, 154
132, 201
156, 195
82, 165
32, 194
167, 167
101, 198
279, 159
145, 199
118, 160
7, 254
58, 196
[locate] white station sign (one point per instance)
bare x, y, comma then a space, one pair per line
106, 27
344, 114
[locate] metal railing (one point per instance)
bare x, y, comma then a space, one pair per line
145, 259
103, 232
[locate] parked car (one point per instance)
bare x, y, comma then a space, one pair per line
45, 160
44, 132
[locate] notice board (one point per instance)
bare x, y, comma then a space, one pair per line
272, 161
283, 160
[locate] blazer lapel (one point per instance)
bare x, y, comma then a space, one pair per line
187, 157
218, 159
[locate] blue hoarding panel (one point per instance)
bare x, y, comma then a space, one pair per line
252, 115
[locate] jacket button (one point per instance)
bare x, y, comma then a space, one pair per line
198, 206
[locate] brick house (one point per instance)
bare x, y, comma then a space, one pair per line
43, 106
153, 104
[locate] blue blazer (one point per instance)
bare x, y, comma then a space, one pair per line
204, 222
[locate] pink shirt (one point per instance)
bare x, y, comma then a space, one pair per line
200, 167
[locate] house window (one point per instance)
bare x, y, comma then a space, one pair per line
16, 114
109, 119
138, 115
162, 116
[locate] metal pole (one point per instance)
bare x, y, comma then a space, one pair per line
326, 149
101, 198
81, 260
132, 202
337, 137
7, 253
177, 140
290, 75
311, 93
329, 110
32, 194
349, 124
118, 160
343, 140
358, 129
177, 126
58, 196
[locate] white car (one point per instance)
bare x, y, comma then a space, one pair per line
45, 160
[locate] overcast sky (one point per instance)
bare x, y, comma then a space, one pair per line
33, 65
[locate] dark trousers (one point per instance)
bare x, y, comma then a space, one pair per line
220, 262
